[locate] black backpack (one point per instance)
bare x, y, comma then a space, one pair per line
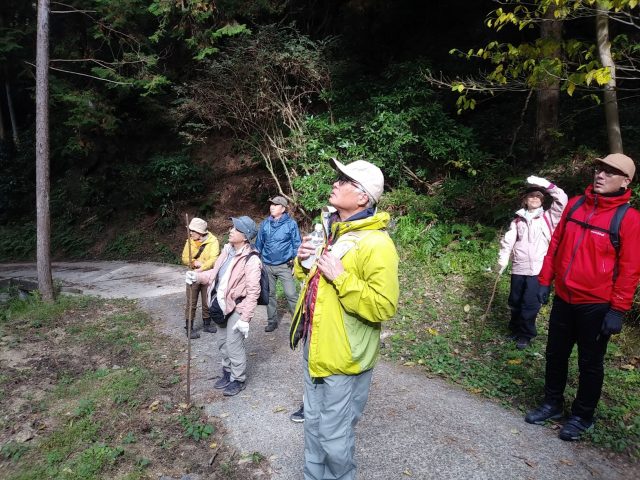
263, 298
614, 225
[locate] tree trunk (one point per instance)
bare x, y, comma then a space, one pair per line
45, 281
548, 93
2, 131
610, 97
12, 115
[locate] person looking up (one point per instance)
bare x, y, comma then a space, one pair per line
234, 288
350, 289
594, 261
526, 243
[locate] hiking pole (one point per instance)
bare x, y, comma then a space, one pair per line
483, 318
190, 319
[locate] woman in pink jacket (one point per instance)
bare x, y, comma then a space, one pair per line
234, 288
526, 243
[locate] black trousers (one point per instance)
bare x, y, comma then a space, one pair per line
571, 324
524, 305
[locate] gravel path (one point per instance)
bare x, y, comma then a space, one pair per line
413, 426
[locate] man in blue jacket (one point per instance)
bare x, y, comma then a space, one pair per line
278, 241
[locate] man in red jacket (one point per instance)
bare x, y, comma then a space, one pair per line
594, 284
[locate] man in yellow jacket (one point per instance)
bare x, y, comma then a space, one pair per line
204, 252
350, 289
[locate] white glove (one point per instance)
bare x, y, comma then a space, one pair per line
538, 181
191, 277
242, 327
501, 269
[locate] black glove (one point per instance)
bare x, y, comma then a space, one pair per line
612, 323
543, 293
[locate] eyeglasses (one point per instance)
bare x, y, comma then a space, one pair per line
608, 171
343, 179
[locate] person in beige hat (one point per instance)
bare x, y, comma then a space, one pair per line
594, 260
205, 250
351, 288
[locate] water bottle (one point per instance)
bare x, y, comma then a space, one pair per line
317, 240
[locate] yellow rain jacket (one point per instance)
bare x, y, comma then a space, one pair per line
209, 253
345, 332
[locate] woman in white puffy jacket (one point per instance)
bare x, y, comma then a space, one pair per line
526, 243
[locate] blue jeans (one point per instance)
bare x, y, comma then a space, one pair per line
524, 305
571, 324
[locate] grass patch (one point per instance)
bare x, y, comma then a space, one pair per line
99, 395
440, 328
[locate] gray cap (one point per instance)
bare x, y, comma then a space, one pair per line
246, 226
279, 201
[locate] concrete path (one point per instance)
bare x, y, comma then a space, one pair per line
414, 427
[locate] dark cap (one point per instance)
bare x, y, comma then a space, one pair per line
246, 226
541, 192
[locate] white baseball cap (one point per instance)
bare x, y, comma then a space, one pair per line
364, 173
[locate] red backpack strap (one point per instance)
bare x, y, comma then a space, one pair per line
518, 219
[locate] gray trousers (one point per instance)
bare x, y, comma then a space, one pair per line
282, 272
332, 407
231, 346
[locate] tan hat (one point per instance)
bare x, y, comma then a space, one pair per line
364, 173
621, 162
279, 201
198, 225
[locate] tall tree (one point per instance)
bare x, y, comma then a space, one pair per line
575, 63
610, 96
45, 280
548, 91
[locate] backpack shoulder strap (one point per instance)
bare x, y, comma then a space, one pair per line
200, 250
574, 207
517, 220
614, 226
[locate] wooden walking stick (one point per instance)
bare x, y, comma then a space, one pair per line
483, 318
190, 318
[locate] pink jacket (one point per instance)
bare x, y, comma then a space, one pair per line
244, 281
526, 242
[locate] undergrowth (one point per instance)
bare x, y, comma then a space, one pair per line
441, 327
100, 394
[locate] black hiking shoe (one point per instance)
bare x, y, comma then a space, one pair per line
298, 417
233, 388
522, 343
209, 327
575, 428
223, 381
543, 413
194, 334
270, 327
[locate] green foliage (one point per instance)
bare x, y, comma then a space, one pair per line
441, 328
572, 63
13, 450
394, 122
194, 428
173, 176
